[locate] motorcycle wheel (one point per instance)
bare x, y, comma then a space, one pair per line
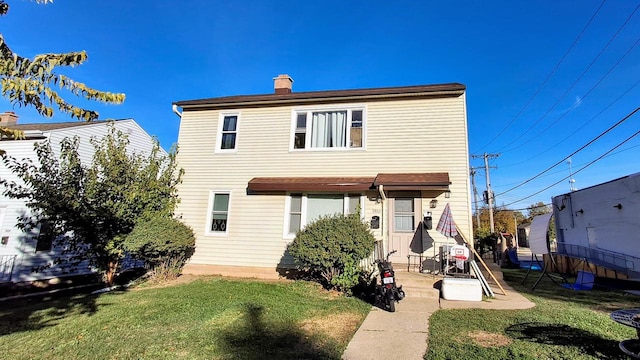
392, 306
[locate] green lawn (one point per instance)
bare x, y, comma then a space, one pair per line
564, 324
210, 318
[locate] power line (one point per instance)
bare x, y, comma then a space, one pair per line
584, 167
578, 129
581, 99
575, 82
548, 77
575, 152
562, 170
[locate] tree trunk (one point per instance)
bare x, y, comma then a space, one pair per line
109, 275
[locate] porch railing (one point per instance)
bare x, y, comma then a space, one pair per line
7, 263
378, 253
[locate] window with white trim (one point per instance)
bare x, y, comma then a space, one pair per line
228, 132
404, 214
219, 212
304, 209
338, 129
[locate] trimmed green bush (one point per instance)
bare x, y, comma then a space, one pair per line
331, 248
161, 240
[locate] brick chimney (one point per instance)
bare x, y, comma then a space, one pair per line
8, 118
283, 84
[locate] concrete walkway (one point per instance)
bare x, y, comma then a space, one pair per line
407, 330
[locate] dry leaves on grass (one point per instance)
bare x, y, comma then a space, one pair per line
339, 327
486, 339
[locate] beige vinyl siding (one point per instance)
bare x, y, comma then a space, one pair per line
424, 135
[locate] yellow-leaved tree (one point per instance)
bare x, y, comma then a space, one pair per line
35, 82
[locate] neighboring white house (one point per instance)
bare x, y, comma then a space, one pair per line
20, 251
260, 167
601, 225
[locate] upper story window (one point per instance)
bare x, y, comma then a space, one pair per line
228, 132
337, 129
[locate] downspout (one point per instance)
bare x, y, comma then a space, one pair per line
176, 111
383, 197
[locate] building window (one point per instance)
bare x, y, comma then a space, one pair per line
295, 213
219, 215
340, 129
304, 209
356, 129
228, 132
45, 237
404, 214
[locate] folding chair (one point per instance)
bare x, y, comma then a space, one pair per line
584, 281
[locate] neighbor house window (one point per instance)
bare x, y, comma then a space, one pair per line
304, 209
45, 237
228, 132
219, 215
339, 129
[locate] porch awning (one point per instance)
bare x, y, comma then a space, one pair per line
322, 184
414, 181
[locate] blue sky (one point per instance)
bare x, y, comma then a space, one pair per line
161, 51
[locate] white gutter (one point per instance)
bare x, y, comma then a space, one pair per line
385, 247
33, 134
176, 111
381, 191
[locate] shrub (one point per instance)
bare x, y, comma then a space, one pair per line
331, 249
161, 242
349, 278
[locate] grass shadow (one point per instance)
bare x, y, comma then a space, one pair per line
259, 338
39, 312
564, 335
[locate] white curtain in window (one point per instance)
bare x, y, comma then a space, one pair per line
320, 205
329, 129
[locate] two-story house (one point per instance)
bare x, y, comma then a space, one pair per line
21, 252
260, 167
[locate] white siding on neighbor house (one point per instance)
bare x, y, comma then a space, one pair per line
604, 218
407, 136
23, 245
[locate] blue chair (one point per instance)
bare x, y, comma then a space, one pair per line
584, 281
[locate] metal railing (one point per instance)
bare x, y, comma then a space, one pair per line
615, 261
7, 263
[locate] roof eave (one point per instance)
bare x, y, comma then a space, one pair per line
199, 105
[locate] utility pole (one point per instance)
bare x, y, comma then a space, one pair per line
486, 158
572, 181
475, 194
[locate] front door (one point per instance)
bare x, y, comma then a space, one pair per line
404, 228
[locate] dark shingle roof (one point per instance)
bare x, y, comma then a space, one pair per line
52, 126
451, 89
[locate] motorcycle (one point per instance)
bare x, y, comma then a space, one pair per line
387, 293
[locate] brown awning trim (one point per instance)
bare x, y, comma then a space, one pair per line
406, 182
323, 184
414, 181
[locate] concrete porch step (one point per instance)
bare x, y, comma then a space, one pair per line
418, 285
